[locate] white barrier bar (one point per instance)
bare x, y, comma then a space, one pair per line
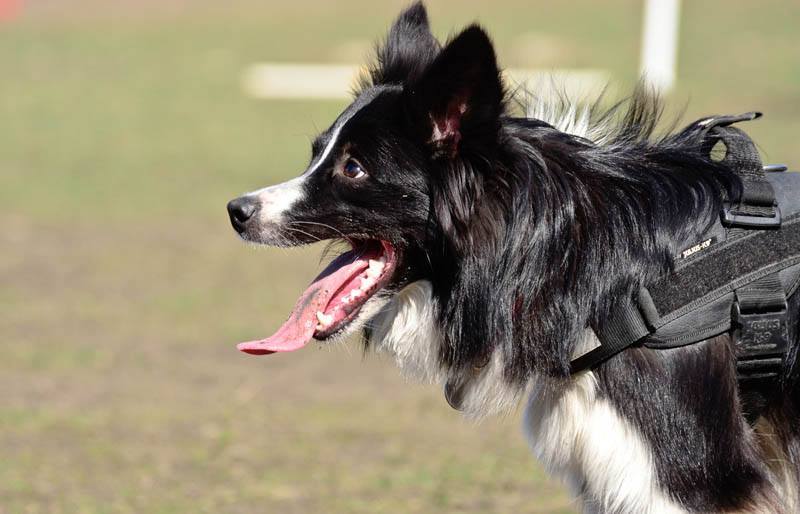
327, 81
309, 81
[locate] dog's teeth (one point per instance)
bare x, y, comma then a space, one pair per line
324, 319
366, 283
375, 269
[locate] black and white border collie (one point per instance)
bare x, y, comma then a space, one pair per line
484, 246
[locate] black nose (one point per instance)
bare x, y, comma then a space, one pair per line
241, 210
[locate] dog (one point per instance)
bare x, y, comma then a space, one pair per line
484, 248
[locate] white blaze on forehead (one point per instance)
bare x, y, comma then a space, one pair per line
277, 200
361, 102
326, 152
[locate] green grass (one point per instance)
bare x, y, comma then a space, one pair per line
123, 289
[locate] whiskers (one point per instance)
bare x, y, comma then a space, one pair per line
338, 232
294, 230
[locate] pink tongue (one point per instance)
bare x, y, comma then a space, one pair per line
300, 327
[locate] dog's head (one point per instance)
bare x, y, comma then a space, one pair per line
379, 179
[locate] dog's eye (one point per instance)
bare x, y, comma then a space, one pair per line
353, 170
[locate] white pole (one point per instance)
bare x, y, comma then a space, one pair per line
660, 43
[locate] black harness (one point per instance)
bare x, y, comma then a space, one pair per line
736, 276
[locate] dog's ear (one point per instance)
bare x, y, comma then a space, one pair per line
408, 49
460, 95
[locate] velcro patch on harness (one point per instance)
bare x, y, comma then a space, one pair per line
725, 268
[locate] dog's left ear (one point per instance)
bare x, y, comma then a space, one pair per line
459, 98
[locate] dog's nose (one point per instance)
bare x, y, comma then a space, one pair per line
241, 210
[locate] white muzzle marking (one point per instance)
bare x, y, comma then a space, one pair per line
276, 200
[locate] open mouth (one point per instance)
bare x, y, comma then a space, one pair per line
333, 299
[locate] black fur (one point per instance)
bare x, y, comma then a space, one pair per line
408, 50
530, 235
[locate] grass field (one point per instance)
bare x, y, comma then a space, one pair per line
124, 131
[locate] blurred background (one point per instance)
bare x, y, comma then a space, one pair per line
124, 130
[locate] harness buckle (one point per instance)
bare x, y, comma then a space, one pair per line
762, 342
730, 218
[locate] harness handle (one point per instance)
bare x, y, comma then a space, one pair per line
756, 207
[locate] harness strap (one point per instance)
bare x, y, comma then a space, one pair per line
761, 314
761, 325
624, 328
